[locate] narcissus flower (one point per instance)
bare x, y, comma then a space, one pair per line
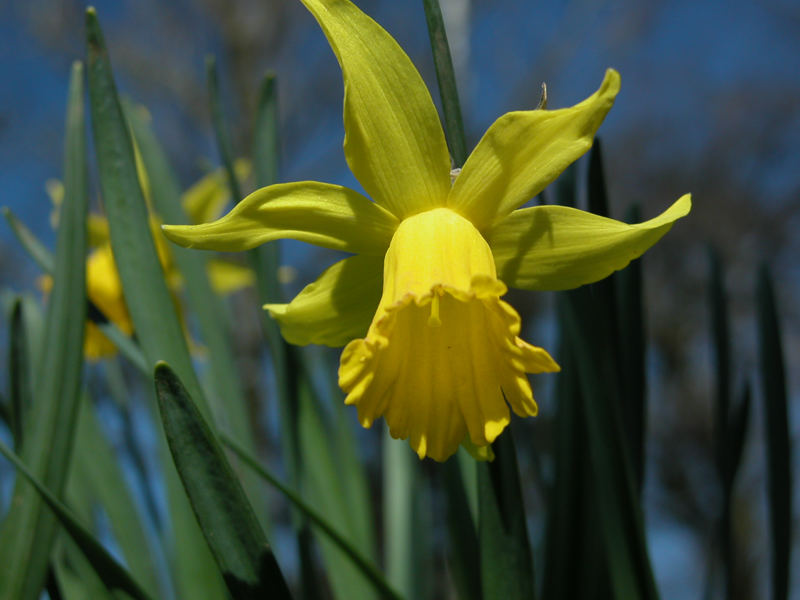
430, 344
205, 199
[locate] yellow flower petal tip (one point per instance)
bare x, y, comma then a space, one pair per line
443, 357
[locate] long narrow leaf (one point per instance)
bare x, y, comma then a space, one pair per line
506, 558
369, 570
35, 249
776, 413
614, 491
632, 352
399, 491
114, 576
102, 482
721, 352
225, 516
228, 400
147, 297
19, 375
462, 538
572, 564
29, 529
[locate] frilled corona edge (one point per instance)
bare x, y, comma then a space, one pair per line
443, 357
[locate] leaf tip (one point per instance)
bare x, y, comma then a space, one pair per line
94, 37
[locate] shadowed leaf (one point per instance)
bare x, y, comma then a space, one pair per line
226, 518
779, 469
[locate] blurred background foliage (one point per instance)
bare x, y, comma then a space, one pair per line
709, 105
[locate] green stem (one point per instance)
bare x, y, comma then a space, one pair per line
223, 137
445, 75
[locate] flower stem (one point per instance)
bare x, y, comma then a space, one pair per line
454, 124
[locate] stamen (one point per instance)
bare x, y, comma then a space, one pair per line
434, 320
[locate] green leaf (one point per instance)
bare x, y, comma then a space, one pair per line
358, 559
462, 539
287, 361
99, 474
776, 419
737, 429
147, 297
19, 375
506, 558
109, 570
399, 491
223, 139
447, 81
613, 490
632, 351
573, 564
325, 489
29, 530
619, 298
227, 399
721, 352
225, 516
75, 578
35, 249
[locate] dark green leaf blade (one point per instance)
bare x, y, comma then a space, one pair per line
613, 489
19, 375
462, 539
217, 498
114, 576
506, 558
779, 469
572, 566
358, 559
29, 530
632, 353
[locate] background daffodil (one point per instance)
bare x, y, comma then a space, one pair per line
430, 345
204, 199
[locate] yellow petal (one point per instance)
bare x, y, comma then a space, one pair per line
442, 345
394, 141
559, 248
227, 277
104, 289
327, 215
337, 307
97, 229
522, 152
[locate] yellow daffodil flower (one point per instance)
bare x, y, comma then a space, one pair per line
204, 199
430, 344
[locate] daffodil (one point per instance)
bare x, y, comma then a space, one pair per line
204, 199
429, 343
